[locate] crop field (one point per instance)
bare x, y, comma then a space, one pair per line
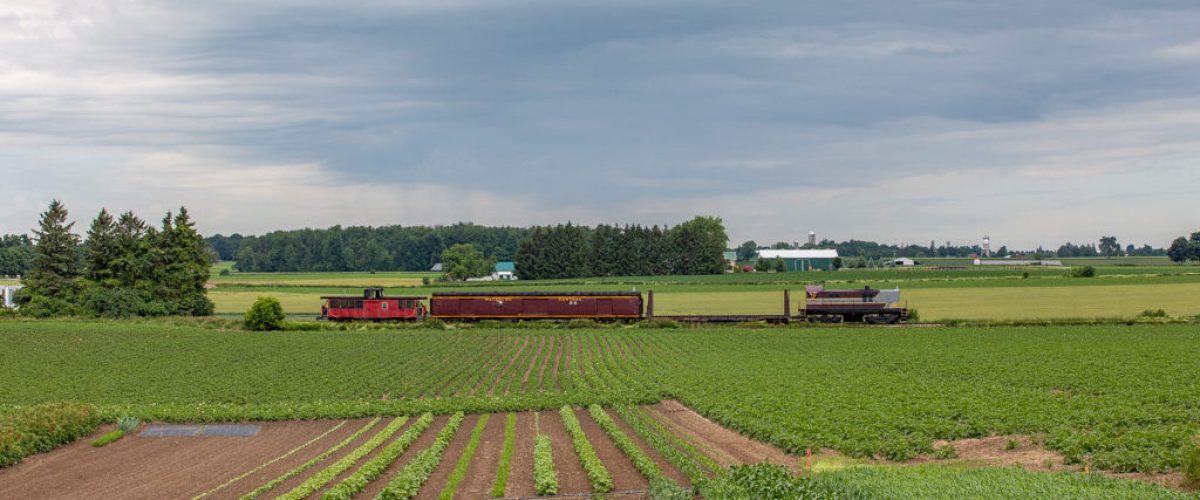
392, 279
1117, 398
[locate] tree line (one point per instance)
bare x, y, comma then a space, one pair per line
573, 251
385, 248
124, 267
16, 252
1108, 246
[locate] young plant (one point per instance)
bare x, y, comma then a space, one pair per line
307, 465
408, 481
596, 472
464, 460
545, 479
372, 469
320, 479
510, 432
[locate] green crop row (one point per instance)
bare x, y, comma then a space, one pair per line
545, 478
510, 436
408, 481
464, 460
643, 463
597, 474
373, 468
311, 462
686, 464
320, 479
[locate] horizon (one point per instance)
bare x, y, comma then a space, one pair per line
868, 120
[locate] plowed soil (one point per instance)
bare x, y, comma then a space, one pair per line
154, 468
228, 467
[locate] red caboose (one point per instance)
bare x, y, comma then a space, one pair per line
373, 305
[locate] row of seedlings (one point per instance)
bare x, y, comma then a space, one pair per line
320, 479
373, 468
660, 485
408, 481
597, 474
696, 466
312, 462
464, 460
510, 437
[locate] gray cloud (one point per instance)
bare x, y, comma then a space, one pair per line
1035, 122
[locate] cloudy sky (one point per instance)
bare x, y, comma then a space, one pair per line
894, 120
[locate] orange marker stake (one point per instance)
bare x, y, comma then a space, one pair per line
808, 463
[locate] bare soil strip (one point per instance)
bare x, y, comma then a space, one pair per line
151, 468
254, 480
727, 442
511, 360
624, 475
532, 362
665, 466
571, 476
433, 486
482, 471
520, 472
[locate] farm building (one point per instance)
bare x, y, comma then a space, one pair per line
1015, 262
730, 259
903, 261
505, 271
802, 260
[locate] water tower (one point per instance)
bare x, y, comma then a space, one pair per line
812, 238
987, 246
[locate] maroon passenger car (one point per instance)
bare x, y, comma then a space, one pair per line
372, 305
536, 305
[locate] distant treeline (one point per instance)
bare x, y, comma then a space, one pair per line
873, 250
570, 251
385, 248
16, 252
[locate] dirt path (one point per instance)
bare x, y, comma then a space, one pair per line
624, 475
571, 476
482, 472
433, 486
520, 474
727, 443
374, 487
668, 470
151, 468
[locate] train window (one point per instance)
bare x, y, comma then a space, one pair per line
383, 305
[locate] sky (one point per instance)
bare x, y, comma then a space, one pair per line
901, 121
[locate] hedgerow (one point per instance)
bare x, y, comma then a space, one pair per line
408, 481
372, 469
596, 472
545, 478
320, 479
510, 431
41, 428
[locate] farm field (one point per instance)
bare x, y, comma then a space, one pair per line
1118, 398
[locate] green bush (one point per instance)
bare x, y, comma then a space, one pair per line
128, 424
115, 302
1083, 272
946, 452
41, 306
224, 272
1153, 313
1191, 462
266, 314
659, 323
41, 428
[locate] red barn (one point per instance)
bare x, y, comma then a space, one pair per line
372, 305
536, 305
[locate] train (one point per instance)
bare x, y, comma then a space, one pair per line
866, 305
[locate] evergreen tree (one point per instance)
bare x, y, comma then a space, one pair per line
55, 260
101, 248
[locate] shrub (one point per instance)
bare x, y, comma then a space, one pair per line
41, 428
40, 306
1191, 462
914, 315
433, 323
424, 280
265, 314
224, 272
1083, 272
117, 302
1153, 313
128, 424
